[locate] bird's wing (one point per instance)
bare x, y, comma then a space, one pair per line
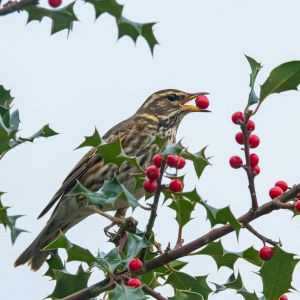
90, 159
81, 167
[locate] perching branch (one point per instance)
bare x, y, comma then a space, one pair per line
154, 206
13, 6
152, 293
214, 234
248, 168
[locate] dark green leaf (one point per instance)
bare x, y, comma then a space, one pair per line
91, 141
224, 258
122, 292
75, 252
67, 284
61, 18
134, 245
255, 67
277, 273
5, 97
110, 261
184, 282
45, 131
186, 295
248, 296
199, 160
285, 77
54, 263
106, 196
221, 216
172, 149
114, 153
107, 6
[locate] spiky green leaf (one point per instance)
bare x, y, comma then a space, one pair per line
283, 78
122, 292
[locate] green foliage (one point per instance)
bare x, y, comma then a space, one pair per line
9, 125
67, 283
65, 17
186, 283
9, 221
61, 18
255, 67
224, 258
283, 78
107, 195
122, 292
277, 273
91, 141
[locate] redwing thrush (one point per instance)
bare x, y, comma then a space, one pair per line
160, 115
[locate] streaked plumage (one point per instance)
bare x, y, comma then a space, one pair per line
159, 115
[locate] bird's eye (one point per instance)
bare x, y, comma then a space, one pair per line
172, 97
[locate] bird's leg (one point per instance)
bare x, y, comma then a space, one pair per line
118, 219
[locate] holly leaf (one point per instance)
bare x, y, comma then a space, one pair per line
122, 292
277, 273
186, 295
199, 160
107, 195
255, 68
134, 245
54, 263
91, 141
10, 222
110, 261
224, 258
61, 18
221, 216
126, 27
283, 78
185, 282
5, 97
45, 131
175, 148
75, 252
249, 296
67, 283
114, 153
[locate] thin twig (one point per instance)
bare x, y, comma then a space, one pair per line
248, 167
152, 293
153, 215
13, 6
261, 237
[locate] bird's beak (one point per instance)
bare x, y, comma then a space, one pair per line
192, 107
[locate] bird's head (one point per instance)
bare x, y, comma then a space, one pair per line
169, 106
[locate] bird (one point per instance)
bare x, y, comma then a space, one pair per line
160, 115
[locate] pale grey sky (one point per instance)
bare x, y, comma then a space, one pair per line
90, 80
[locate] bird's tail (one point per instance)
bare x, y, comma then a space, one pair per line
34, 254
59, 223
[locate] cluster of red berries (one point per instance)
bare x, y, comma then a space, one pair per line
55, 3
134, 265
235, 161
153, 173
202, 101
279, 188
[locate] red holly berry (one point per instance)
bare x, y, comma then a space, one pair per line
152, 173
238, 117
256, 170
150, 186
275, 192
55, 3
176, 185
254, 159
265, 253
202, 102
157, 160
181, 162
235, 162
297, 206
239, 138
283, 297
172, 160
253, 141
282, 184
250, 125
135, 265
134, 282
